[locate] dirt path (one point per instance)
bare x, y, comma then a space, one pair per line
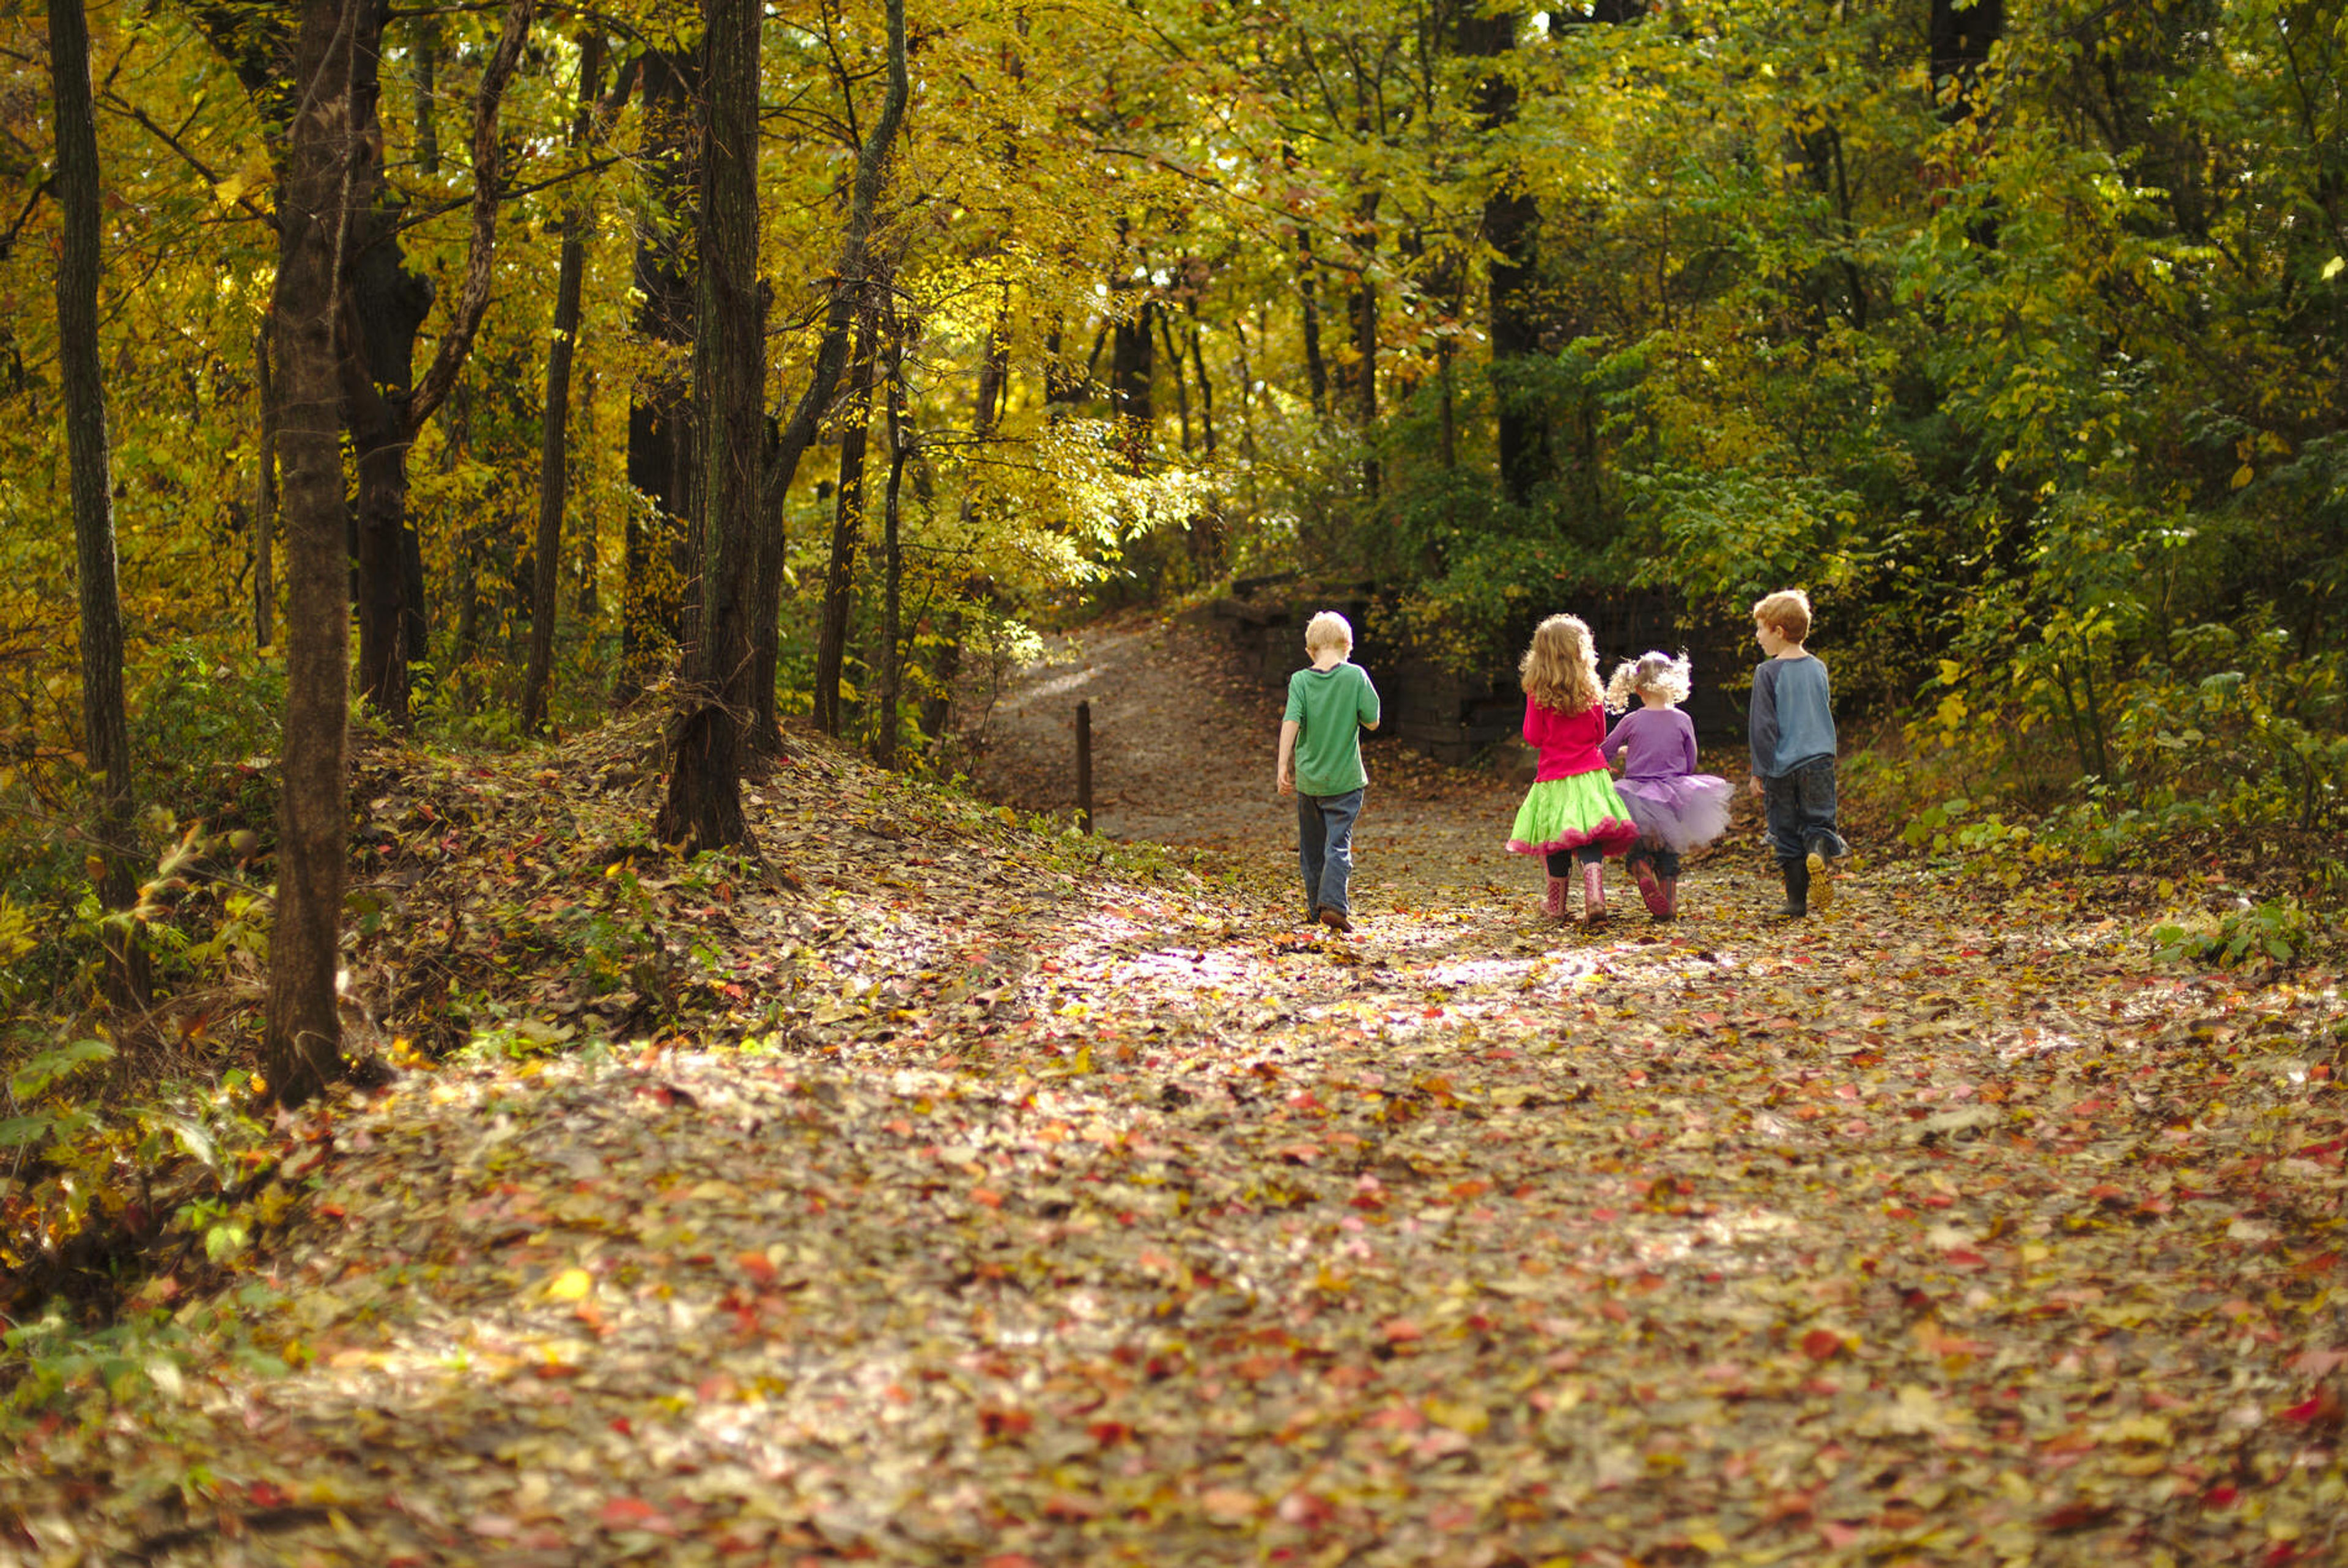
1183, 744
1068, 1205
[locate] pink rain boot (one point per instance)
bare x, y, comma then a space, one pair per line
1593, 894
1670, 909
1553, 900
1651, 888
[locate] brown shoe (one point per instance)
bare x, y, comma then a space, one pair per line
1334, 918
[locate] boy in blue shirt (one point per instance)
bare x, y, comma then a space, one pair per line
1793, 735
1329, 706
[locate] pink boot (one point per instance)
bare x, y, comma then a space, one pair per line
1670, 909
1553, 900
1593, 894
1651, 888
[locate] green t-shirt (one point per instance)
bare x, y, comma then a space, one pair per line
1330, 706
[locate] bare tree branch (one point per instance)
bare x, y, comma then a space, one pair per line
457, 342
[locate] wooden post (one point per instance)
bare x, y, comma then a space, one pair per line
1084, 766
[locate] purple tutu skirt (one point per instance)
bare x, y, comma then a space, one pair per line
1681, 812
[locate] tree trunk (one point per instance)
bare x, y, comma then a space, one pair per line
660, 445
302, 1035
587, 565
552, 461
105, 730
379, 439
1182, 377
1132, 367
385, 307
1364, 314
892, 565
703, 807
424, 69
848, 291
264, 503
1512, 228
993, 384
1308, 283
847, 525
1205, 386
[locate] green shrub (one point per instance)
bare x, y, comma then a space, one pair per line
2277, 932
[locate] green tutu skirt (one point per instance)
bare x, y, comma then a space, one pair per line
1569, 813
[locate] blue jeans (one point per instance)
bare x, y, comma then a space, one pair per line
1800, 806
1325, 847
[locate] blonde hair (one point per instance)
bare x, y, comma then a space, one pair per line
1650, 671
1328, 630
1560, 669
1787, 612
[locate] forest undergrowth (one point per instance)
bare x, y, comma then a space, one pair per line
946, 1187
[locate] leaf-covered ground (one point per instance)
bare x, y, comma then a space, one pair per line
982, 1197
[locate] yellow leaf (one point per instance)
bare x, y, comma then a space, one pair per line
251, 175
1707, 1540
2243, 476
570, 1285
1465, 1418
2331, 267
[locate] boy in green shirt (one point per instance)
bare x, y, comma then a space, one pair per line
1329, 706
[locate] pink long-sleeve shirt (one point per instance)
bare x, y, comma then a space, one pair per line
1568, 743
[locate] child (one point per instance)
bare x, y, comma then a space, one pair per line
1794, 752
1676, 807
1329, 706
1572, 813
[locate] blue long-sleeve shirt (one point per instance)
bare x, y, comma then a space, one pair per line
1792, 715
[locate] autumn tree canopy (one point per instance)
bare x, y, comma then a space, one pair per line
2011, 330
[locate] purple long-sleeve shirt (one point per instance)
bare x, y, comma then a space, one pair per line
1656, 743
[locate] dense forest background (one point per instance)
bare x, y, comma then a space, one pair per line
762, 362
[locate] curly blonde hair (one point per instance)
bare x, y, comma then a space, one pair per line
1559, 671
1650, 671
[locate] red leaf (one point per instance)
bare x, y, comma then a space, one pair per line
997, 1423
634, 1513
1822, 1344
2322, 1410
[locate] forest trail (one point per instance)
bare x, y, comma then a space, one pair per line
1074, 1205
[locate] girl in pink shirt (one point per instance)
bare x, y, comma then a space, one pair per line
1572, 814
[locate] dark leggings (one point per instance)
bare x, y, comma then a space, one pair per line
1560, 861
1665, 861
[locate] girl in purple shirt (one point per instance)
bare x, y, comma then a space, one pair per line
1676, 807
